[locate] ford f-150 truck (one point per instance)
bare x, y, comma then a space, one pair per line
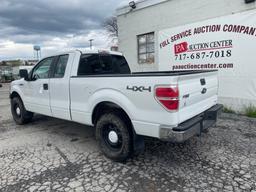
97, 88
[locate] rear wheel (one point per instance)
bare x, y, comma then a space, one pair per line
114, 136
20, 114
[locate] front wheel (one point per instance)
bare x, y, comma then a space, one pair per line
20, 114
114, 136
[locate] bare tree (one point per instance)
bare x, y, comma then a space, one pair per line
110, 24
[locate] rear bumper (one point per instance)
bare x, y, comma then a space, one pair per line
191, 127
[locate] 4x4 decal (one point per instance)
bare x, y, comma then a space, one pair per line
139, 88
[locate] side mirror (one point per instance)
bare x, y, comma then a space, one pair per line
24, 74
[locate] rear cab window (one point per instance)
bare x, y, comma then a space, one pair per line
99, 64
121, 64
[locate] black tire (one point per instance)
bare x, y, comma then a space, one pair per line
121, 149
20, 116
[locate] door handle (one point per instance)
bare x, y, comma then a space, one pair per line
45, 86
204, 91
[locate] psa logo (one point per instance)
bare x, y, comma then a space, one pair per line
138, 88
180, 48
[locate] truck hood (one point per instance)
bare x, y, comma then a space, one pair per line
16, 82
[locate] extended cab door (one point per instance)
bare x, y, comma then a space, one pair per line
59, 86
82, 89
37, 98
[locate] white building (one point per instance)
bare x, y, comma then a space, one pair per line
152, 24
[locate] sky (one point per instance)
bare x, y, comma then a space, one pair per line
55, 25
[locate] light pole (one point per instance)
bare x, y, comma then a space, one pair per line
91, 40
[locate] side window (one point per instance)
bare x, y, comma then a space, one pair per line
41, 71
93, 64
106, 64
60, 67
89, 64
121, 64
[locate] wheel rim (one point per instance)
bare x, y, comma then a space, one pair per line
17, 110
112, 136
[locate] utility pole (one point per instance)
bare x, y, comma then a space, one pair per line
91, 40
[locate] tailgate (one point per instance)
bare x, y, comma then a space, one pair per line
198, 92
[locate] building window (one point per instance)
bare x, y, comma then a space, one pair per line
146, 48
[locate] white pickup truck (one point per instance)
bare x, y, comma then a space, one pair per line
97, 88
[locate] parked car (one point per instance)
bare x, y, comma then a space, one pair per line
98, 89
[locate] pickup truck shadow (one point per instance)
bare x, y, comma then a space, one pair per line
75, 132
70, 130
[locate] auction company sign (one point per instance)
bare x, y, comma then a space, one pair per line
227, 42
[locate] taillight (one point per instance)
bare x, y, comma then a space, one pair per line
168, 96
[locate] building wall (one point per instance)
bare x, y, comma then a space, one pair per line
168, 13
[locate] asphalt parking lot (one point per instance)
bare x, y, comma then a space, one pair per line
55, 155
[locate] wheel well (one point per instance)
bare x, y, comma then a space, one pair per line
105, 107
14, 94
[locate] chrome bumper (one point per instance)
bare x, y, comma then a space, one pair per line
191, 127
